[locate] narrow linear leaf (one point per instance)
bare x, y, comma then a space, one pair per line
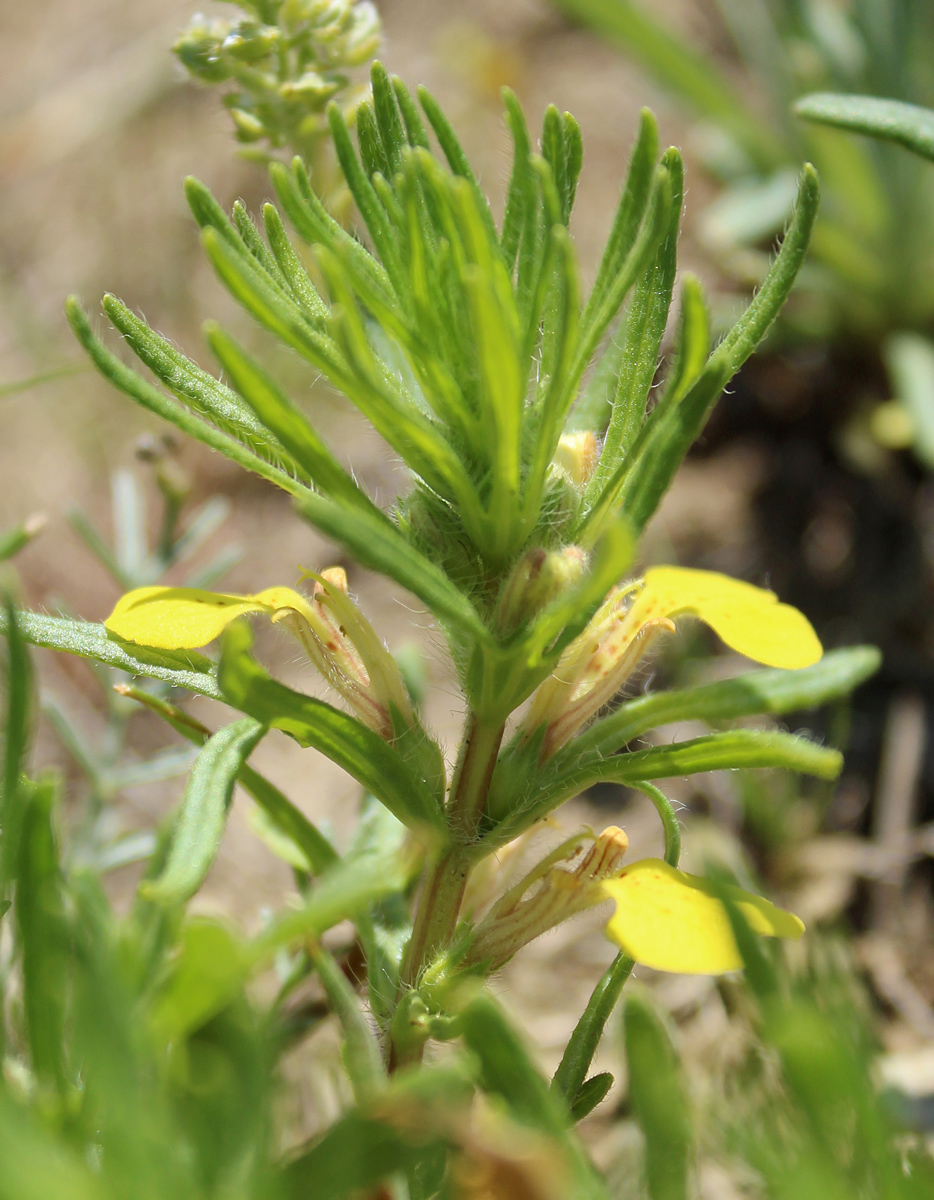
353, 1156
773, 691
753, 325
346, 891
588, 1032
630, 211
522, 190
590, 1094
379, 545
345, 740
292, 268
907, 125
181, 668
17, 538
361, 1057
277, 413
507, 1071
644, 475
17, 707
656, 1093
157, 402
289, 820
454, 153
187, 381
715, 752
42, 933
645, 328
367, 201
203, 815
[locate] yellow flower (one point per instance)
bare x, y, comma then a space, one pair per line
333, 632
672, 921
595, 666
665, 919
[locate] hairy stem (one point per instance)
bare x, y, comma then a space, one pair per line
443, 890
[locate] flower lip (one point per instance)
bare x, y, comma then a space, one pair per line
672, 921
598, 663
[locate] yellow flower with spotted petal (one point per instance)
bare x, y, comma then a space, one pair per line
750, 620
333, 632
181, 618
672, 921
599, 661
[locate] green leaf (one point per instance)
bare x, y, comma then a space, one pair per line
42, 933
314, 848
907, 125
454, 153
291, 267
378, 544
645, 328
388, 119
203, 814
656, 1093
38, 1165
315, 226
644, 475
590, 1094
374, 215
15, 539
385, 929
17, 713
180, 668
344, 892
522, 195
593, 406
361, 1054
279, 415
773, 691
206, 974
352, 1157
507, 1070
250, 235
724, 751
582, 1045
753, 325
557, 781
693, 344
157, 402
345, 740
630, 211
186, 380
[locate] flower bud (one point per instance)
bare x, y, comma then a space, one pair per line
577, 456
591, 671
347, 651
539, 577
561, 893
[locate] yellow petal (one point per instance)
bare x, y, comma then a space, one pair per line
749, 619
186, 618
671, 921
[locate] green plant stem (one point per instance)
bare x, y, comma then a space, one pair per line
440, 900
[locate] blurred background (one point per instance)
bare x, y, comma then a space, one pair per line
805, 481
